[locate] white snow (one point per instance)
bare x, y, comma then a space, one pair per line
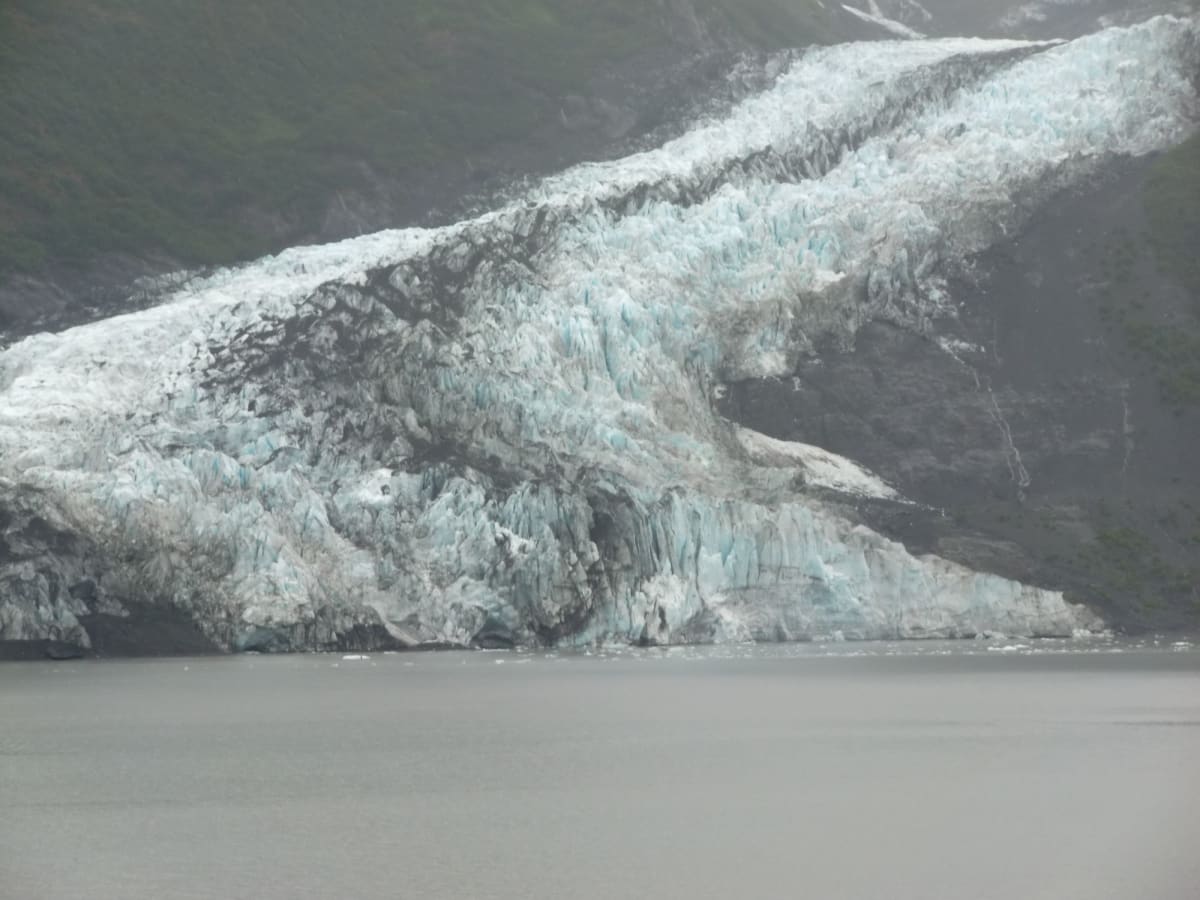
821, 468
876, 17
1037, 11
958, 348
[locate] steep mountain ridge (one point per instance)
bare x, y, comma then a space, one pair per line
149, 137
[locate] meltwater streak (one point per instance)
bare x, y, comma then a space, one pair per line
505, 426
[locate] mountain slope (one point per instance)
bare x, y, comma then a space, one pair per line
148, 135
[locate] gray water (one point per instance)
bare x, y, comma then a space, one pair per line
872, 772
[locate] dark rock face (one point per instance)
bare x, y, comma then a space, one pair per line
59, 650
146, 629
1032, 19
1037, 434
28, 651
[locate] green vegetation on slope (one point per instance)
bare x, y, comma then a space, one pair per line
1174, 351
1126, 567
157, 125
1173, 209
1172, 201
1170, 345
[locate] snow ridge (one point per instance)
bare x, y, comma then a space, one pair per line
504, 429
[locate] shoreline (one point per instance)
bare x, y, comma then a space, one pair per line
38, 651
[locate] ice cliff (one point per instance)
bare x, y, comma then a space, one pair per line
503, 430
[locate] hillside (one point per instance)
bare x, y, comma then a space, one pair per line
203, 131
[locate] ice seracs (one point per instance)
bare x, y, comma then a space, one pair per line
503, 432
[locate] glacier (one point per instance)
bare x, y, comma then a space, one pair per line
503, 431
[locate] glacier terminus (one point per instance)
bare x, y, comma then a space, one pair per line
504, 431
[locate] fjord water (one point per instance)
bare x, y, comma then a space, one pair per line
920, 771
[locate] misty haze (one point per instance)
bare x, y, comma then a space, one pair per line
627, 448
